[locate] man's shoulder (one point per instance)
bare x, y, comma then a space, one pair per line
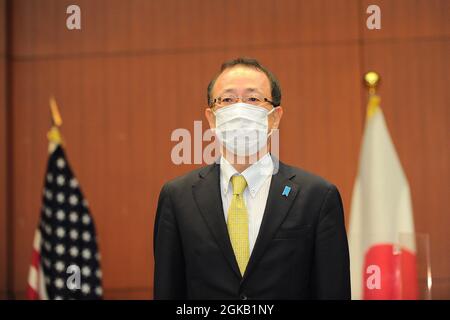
189, 178
305, 178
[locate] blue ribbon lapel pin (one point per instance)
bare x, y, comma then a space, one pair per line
286, 191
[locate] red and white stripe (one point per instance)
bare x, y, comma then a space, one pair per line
36, 285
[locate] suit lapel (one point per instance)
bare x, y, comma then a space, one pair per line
209, 201
277, 207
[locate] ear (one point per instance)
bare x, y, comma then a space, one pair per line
209, 114
276, 117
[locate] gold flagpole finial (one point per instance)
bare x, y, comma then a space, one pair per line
54, 136
372, 79
56, 116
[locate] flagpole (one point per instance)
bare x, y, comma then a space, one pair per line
372, 79
56, 115
54, 135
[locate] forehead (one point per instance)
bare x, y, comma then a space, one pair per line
240, 79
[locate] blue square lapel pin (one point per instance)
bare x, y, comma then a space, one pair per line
286, 191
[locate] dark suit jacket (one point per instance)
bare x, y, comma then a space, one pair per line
301, 251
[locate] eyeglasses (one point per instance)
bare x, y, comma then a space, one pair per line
227, 100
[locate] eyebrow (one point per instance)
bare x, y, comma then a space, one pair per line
232, 90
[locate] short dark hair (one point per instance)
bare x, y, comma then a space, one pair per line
252, 63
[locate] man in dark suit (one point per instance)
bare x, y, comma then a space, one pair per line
249, 226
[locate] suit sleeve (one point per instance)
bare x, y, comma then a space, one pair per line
169, 274
331, 269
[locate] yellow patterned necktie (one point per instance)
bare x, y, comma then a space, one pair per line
238, 223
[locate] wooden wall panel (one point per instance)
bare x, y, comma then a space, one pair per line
3, 156
139, 69
409, 19
137, 26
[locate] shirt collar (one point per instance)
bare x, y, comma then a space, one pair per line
255, 175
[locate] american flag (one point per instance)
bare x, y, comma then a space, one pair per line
65, 260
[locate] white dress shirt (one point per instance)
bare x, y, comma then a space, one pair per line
258, 177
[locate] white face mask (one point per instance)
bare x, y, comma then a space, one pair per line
242, 128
